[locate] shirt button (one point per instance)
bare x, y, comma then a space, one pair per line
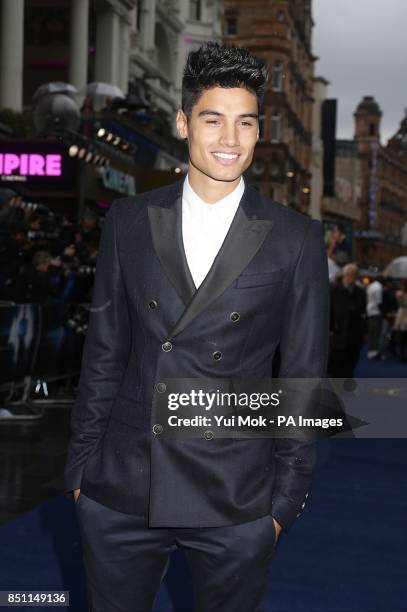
157, 429
208, 435
161, 387
234, 316
167, 346
152, 304
217, 355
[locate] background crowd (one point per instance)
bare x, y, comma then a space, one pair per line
48, 258
366, 307
45, 257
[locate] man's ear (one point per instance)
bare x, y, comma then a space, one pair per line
182, 124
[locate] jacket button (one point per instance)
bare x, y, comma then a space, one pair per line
234, 316
208, 435
157, 429
167, 346
152, 304
161, 387
217, 355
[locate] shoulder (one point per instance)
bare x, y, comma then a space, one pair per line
154, 196
287, 217
129, 209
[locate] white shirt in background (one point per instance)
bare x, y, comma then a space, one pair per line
374, 297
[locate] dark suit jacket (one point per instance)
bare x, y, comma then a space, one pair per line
272, 270
347, 317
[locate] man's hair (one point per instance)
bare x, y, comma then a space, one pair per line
213, 65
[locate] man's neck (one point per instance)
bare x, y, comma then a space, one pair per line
209, 190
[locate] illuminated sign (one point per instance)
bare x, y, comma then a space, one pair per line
30, 164
37, 165
118, 181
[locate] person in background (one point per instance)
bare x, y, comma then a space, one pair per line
400, 324
374, 295
36, 283
388, 309
339, 249
10, 211
13, 256
347, 322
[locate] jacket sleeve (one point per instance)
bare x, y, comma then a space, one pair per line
304, 345
105, 355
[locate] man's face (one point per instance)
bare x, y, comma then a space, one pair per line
222, 132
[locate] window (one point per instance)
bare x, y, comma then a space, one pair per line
277, 75
195, 7
372, 129
280, 16
275, 126
231, 26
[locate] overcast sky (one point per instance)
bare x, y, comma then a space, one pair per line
362, 46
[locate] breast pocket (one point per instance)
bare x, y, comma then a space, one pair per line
263, 279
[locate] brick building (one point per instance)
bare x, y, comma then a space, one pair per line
380, 233
280, 32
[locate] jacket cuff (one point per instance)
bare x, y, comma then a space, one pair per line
73, 478
285, 511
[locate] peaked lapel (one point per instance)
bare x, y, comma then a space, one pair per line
166, 228
244, 238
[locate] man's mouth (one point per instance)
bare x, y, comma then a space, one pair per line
225, 159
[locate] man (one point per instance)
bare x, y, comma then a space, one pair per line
202, 280
374, 296
388, 310
347, 322
339, 249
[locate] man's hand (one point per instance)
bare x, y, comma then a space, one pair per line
277, 527
76, 493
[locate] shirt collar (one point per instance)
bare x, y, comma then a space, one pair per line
225, 208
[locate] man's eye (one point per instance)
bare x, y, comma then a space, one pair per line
247, 123
213, 121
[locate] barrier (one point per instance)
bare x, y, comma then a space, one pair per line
39, 344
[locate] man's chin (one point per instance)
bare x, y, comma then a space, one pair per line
224, 176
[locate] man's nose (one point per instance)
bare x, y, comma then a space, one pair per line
229, 136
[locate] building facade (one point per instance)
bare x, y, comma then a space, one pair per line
379, 236
76, 41
317, 156
162, 34
369, 199
279, 31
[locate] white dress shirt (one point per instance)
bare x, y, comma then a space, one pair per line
204, 227
374, 294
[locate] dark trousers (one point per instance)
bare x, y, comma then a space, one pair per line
125, 561
374, 325
342, 362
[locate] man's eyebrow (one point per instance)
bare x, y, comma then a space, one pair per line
209, 112
218, 114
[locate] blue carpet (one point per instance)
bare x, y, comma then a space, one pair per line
346, 553
392, 367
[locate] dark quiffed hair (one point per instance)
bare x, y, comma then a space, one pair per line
213, 65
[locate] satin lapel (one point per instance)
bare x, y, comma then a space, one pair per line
244, 238
166, 230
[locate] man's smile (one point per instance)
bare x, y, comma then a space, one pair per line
226, 159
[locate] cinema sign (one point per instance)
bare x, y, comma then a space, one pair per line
42, 166
30, 164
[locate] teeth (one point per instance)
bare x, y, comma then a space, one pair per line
226, 155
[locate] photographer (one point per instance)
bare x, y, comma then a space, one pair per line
40, 282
